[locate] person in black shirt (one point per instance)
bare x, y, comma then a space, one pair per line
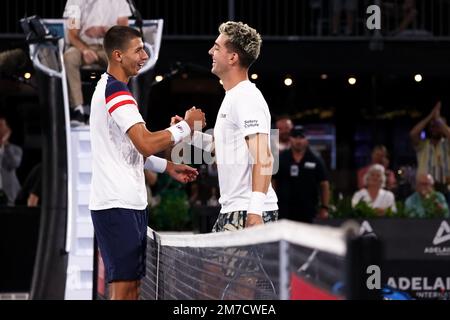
300, 180
30, 194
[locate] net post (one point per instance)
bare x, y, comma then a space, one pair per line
157, 240
284, 270
95, 271
362, 252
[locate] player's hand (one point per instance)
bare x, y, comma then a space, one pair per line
181, 172
89, 56
195, 118
436, 112
175, 120
253, 220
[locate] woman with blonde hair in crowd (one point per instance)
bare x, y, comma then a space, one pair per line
374, 193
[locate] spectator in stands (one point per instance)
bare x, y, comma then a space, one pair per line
379, 156
374, 193
426, 202
30, 194
10, 159
350, 8
300, 182
213, 200
408, 17
284, 126
282, 140
399, 18
433, 152
87, 23
194, 197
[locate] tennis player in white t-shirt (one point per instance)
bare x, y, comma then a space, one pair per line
120, 141
241, 134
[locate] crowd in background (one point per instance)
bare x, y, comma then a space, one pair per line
305, 189
303, 182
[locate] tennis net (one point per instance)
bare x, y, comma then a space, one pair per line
280, 260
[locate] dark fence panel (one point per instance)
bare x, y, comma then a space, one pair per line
284, 19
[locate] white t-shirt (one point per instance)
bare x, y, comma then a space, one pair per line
243, 112
91, 13
117, 166
385, 199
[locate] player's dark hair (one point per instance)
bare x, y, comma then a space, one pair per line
118, 37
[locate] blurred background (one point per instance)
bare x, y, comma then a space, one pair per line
350, 87
320, 65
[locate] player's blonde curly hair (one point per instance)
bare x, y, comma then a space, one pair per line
243, 39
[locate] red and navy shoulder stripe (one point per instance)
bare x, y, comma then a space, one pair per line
117, 95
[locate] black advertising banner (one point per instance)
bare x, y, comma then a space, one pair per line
416, 254
422, 279
412, 239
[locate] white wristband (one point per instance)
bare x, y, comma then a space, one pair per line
179, 131
202, 141
256, 204
155, 164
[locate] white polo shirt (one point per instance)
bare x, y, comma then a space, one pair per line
243, 112
117, 166
385, 199
94, 13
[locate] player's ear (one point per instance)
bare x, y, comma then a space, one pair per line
234, 58
117, 56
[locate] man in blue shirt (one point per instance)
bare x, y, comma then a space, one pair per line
426, 202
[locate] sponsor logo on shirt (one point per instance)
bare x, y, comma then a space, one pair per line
251, 123
223, 115
180, 128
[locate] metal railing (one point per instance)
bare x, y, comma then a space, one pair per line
276, 19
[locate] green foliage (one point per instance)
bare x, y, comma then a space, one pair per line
172, 213
432, 206
342, 208
402, 212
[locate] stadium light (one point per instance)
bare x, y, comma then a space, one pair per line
352, 80
288, 81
